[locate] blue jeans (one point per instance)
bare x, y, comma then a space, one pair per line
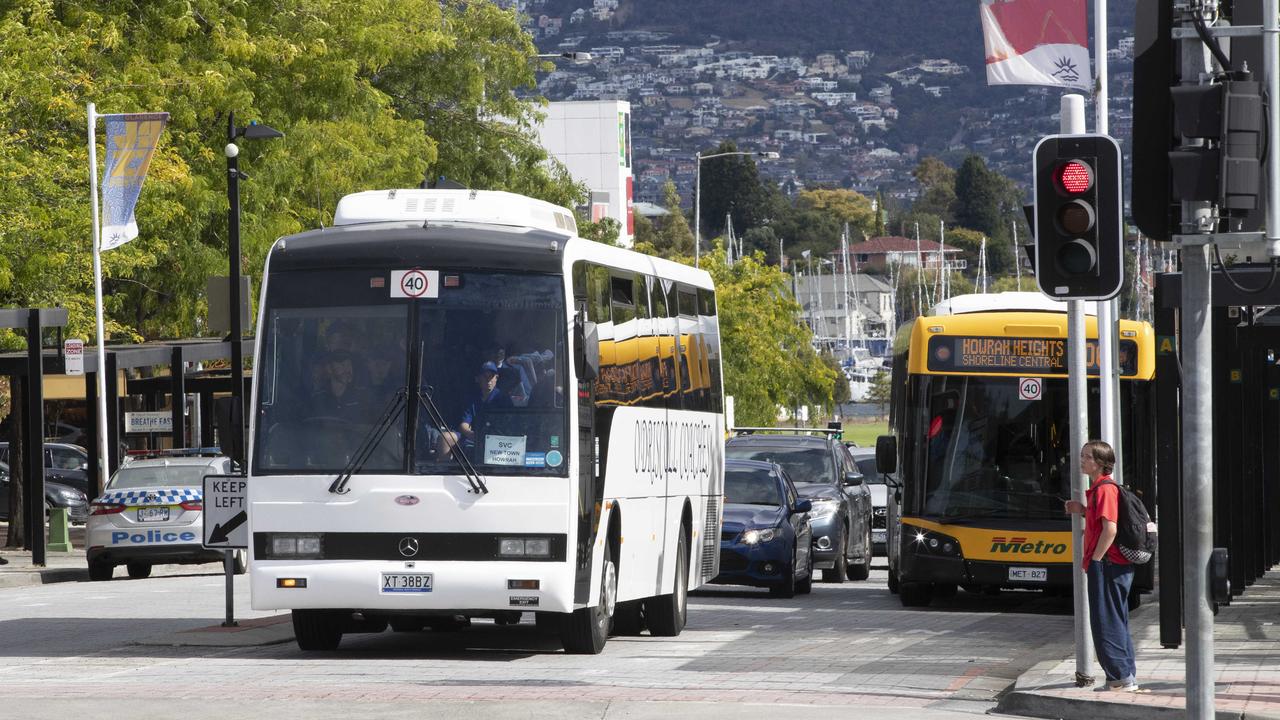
1109, 586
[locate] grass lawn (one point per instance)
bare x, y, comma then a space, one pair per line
864, 433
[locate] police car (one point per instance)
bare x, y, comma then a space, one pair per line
151, 512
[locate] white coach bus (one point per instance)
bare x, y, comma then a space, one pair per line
462, 409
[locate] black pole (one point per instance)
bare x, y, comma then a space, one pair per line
178, 397
233, 252
35, 439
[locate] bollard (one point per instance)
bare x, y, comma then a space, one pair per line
59, 531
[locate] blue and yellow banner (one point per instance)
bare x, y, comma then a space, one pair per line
131, 141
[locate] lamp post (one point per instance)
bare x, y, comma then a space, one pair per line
697, 194
252, 131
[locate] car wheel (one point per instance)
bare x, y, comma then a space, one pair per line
586, 630
316, 629
666, 614
916, 594
862, 570
99, 570
805, 586
893, 580
786, 587
240, 562
138, 570
840, 572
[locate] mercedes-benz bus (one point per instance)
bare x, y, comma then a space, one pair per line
462, 409
980, 413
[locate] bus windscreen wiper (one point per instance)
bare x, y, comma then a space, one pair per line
371, 441
437, 420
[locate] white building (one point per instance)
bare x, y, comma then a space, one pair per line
593, 140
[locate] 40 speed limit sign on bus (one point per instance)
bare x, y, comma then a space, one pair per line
1030, 388
415, 283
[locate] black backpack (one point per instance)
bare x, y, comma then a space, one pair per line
1135, 533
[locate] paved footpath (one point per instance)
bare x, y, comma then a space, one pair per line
1246, 663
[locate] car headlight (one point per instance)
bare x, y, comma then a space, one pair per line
823, 508
71, 494
761, 535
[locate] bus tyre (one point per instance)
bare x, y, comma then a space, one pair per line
317, 629
668, 613
585, 630
862, 570
840, 572
138, 570
99, 571
628, 618
915, 594
945, 590
805, 586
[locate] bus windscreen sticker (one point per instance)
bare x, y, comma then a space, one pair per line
415, 283
554, 458
1018, 355
503, 450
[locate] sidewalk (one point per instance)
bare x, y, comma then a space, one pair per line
1246, 662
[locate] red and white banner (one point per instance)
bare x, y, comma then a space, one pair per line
1037, 42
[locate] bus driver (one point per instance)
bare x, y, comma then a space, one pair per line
484, 396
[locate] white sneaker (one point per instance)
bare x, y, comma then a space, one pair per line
1131, 687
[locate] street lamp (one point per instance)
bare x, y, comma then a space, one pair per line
252, 131
697, 194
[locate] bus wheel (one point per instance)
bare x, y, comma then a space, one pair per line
915, 594
945, 590
862, 570
585, 631
628, 618
668, 613
317, 629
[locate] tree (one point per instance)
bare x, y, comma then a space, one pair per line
882, 212
605, 230
845, 206
674, 237
939, 184
977, 196
840, 392
730, 186
768, 355
881, 390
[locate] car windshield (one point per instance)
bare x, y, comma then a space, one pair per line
991, 453
479, 367
752, 487
145, 476
804, 465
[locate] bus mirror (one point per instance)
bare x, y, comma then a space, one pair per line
586, 345
228, 417
887, 454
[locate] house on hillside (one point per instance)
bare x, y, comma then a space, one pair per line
877, 253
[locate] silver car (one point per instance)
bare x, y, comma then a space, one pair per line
150, 513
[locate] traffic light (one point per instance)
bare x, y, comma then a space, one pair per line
1079, 253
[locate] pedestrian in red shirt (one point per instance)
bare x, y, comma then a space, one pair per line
1110, 575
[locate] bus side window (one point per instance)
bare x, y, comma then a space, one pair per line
691, 382
663, 322
648, 377
711, 339
623, 302
600, 314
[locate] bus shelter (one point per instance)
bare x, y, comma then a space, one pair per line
174, 374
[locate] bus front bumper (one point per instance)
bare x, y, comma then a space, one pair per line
452, 586
922, 568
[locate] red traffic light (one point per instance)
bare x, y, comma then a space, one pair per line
1073, 177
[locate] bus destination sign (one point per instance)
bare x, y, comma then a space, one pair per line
1017, 355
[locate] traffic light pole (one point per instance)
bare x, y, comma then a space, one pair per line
1071, 122
1196, 330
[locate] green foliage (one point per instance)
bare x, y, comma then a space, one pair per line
768, 357
844, 206
881, 389
605, 230
731, 187
413, 89
840, 392
938, 182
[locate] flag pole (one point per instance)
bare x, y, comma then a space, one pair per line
104, 459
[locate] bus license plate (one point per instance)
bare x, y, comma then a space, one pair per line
406, 582
1028, 574
157, 514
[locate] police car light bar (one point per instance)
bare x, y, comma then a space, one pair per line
176, 452
490, 207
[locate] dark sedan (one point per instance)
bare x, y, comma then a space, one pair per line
825, 474
766, 540
56, 495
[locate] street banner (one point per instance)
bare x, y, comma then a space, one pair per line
131, 141
1037, 42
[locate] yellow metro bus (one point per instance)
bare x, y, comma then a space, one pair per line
980, 413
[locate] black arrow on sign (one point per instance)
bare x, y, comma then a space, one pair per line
220, 532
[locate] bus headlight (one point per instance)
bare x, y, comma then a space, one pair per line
934, 543
755, 537
296, 546
524, 547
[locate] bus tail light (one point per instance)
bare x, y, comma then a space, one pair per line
523, 584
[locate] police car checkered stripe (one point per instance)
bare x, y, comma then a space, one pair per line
154, 496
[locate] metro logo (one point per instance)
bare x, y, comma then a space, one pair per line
1019, 545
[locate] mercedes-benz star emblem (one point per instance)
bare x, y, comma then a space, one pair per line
408, 546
